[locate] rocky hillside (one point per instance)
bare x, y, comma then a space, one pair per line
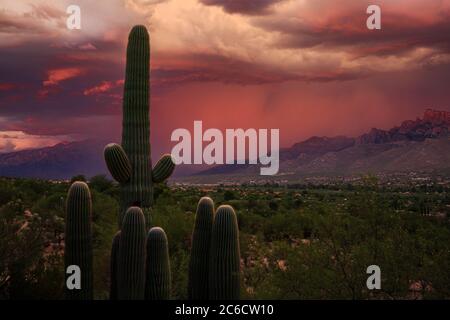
421, 145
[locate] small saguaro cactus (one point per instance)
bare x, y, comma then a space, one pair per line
198, 288
131, 266
130, 164
78, 240
224, 265
115, 248
158, 278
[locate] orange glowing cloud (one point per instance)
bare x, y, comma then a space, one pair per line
103, 87
19, 140
56, 76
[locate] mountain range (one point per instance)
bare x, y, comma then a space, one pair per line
61, 161
421, 145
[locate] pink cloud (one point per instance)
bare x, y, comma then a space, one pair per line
87, 46
54, 77
18, 140
103, 87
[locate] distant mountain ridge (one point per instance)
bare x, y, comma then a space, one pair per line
434, 124
60, 161
416, 145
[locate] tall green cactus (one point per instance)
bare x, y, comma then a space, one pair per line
158, 278
198, 288
78, 239
131, 266
114, 265
130, 164
224, 265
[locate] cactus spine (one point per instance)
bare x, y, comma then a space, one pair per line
224, 265
158, 279
131, 266
78, 239
115, 248
198, 288
131, 166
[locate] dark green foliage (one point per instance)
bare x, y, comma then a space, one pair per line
361, 224
224, 271
163, 168
104, 219
198, 288
100, 183
229, 195
117, 161
78, 239
6, 191
26, 271
131, 270
114, 264
79, 177
158, 277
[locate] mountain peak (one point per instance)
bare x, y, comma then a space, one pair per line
436, 116
434, 124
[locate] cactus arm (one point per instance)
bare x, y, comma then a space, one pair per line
163, 168
117, 162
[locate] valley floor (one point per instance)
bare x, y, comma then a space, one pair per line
304, 241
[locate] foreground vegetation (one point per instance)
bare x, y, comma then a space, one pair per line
296, 242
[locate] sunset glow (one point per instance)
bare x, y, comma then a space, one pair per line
306, 67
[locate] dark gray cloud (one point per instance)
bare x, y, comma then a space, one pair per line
347, 29
247, 7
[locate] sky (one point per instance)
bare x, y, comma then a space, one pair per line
306, 67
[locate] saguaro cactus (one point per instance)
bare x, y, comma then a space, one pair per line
198, 288
114, 265
130, 164
158, 278
78, 239
131, 266
224, 271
